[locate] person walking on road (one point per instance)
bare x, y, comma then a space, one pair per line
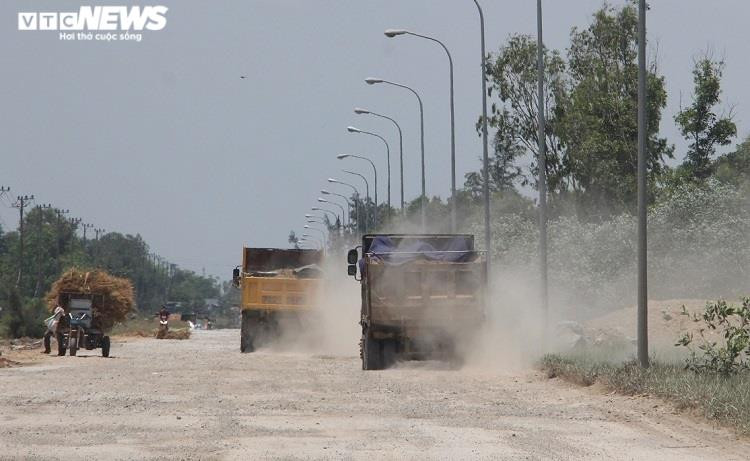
52, 323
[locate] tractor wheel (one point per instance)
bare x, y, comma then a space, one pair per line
73, 346
105, 346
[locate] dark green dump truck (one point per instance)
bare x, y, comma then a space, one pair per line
421, 295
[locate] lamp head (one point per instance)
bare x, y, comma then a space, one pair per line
325, 192
342, 156
352, 129
358, 110
372, 81
390, 33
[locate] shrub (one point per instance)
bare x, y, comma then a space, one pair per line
23, 318
728, 356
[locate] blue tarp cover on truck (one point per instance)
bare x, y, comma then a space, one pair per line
446, 250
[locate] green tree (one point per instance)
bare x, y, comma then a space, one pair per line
734, 167
22, 318
504, 171
512, 75
293, 239
599, 119
700, 124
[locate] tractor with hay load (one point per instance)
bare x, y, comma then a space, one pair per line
279, 286
93, 302
420, 295
79, 330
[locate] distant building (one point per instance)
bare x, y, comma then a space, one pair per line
211, 303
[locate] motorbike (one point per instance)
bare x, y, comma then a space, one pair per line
163, 326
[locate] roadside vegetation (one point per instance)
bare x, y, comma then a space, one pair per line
713, 380
52, 245
725, 399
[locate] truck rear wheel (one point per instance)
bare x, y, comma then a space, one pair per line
246, 342
388, 347
372, 355
248, 332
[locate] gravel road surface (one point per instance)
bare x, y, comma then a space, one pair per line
202, 399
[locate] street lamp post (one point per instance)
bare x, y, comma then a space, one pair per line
357, 195
396, 32
485, 148
322, 200
367, 190
352, 129
325, 210
358, 110
323, 234
373, 81
542, 162
375, 172
346, 200
642, 316
315, 221
321, 219
321, 243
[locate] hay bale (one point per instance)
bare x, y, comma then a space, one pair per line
172, 334
114, 297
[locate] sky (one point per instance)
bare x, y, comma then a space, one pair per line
163, 138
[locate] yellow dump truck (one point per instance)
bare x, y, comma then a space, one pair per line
278, 287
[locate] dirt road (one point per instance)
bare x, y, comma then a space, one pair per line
202, 399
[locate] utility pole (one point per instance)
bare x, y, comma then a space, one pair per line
98, 231
642, 184
170, 270
60, 214
542, 164
86, 226
3, 190
21, 203
39, 244
74, 222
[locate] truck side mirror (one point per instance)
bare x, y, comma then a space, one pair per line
352, 270
236, 276
352, 256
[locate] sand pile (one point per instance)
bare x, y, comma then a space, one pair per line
113, 296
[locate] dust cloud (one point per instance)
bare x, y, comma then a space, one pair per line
332, 327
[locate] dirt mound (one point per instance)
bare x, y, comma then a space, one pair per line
666, 323
117, 294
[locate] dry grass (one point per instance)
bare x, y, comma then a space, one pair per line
716, 397
146, 327
7, 363
118, 294
174, 334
